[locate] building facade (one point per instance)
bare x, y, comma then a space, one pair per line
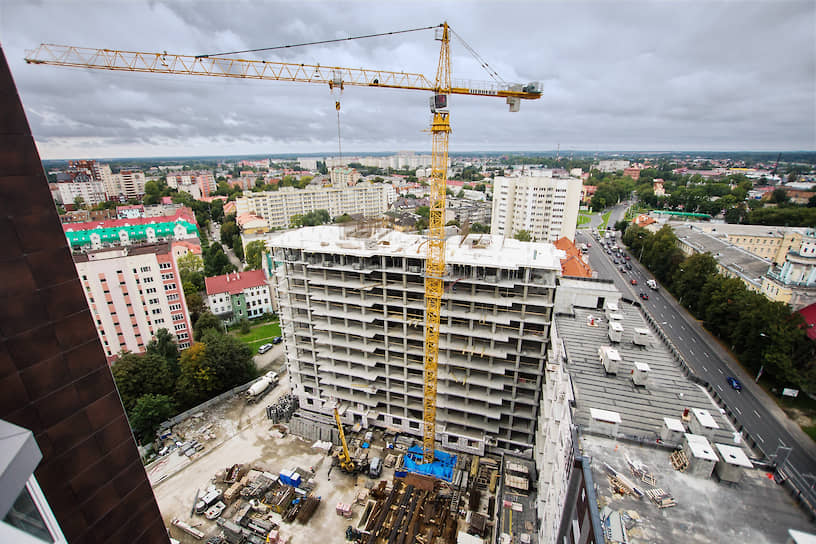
132, 293
53, 374
196, 183
130, 231
545, 207
238, 296
278, 207
612, 165
352, 314
127, 184
91, 191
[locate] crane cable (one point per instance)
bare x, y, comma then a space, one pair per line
482, 62
339, 147
318, 42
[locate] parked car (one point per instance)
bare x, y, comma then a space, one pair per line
734, 383
264, 348
644, 296
277, 340
634, 281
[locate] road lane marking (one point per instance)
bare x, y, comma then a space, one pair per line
693, 340
738, 410
707, 355
691, 352
761, 439
757, 414
720, 388
705, 369
720, 370
783, 444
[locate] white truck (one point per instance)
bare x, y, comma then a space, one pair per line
652, 284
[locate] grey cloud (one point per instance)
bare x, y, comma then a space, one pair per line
616, 75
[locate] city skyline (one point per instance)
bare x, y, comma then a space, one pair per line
642, 75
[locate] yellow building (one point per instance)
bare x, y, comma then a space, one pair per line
772, 243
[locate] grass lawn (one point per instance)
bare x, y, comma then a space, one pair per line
801, 409
259, 335
604, 222
583, 219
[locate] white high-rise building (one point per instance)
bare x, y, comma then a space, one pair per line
352, 315
127, 183
278, 207
546, 207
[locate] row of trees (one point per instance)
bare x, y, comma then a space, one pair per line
760, 332
162, 382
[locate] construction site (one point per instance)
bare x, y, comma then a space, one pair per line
256, 482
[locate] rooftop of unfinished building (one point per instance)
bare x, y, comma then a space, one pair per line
668, 391
756, 509
476, 249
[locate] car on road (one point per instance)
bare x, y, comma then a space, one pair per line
589, 244
633, 282
644, 296
628, 266
277, 340
263, 349
623, 270
628, 258
734, 383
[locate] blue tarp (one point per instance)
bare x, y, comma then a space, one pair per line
441, 468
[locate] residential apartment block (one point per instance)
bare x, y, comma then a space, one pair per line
196, 183
95, 235
278, 207
612, 165
242, 295
126, 184
132, 293
352, 315
91, 191
546, 207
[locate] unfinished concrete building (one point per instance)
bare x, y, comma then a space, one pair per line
351, 309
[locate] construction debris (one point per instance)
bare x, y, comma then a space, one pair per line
641, 471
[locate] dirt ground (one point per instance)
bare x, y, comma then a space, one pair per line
242, 434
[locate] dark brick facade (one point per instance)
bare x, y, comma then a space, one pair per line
54, 379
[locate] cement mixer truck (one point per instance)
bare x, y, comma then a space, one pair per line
258, 389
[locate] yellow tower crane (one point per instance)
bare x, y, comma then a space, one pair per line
227, 65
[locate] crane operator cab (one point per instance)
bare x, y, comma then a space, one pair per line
439, 103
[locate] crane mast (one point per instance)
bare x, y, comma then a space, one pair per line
435, 258
336, 77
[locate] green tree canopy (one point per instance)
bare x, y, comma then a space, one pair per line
164, 345
228, 232
137, 375
523, 236
254, 254
206, 321
147, 414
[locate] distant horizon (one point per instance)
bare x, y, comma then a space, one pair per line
600, 153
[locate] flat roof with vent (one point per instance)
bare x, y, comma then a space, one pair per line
733, 455
701, 448
705, 418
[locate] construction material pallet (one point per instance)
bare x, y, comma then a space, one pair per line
679, 460
661, 498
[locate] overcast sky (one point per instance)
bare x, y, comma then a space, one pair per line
635, 75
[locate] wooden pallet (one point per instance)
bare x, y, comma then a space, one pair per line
661, 498
679, 460
619, 486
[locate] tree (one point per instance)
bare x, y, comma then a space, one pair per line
79, 203
164, 345
191, 270
197, 381
138, 375
228, 232
424, 212
216, 262
460, 194
238, 247
254, 254
195, 305
244, 326
523, 236
621, 225
479, 228
206, 322
690, 278
452, 223
230, 358
147, 414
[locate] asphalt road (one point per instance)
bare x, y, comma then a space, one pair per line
756, 414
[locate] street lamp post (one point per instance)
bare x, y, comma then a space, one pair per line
761, 366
